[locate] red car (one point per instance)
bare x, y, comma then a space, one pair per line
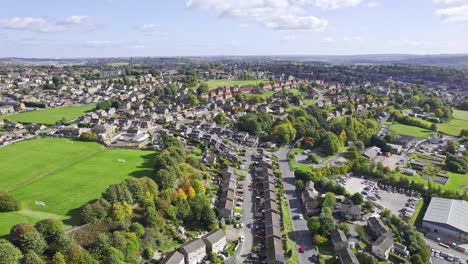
301, 250
258, 233
251, 189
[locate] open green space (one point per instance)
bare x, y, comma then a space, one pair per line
213, 84
288, 231
456, 124
51, 115
456, 181
411, 131
64, 175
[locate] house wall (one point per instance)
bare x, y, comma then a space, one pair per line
380, 253
219, 245
196, 256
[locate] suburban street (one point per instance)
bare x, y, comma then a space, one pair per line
244, 248
301, 232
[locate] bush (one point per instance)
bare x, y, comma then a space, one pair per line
88, 136
8, 203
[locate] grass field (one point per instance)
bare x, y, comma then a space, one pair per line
456, 124
213, 84
411, 131
51, 115
64, 174
456, 181
288, 231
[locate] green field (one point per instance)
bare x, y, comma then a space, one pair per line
51, 115
456, 124
456, 181
64, 174
213, 84
411, 131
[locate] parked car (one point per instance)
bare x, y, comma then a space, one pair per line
301, 250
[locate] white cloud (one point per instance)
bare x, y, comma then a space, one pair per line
335, 4
31, 23
39, 24
449, 2
453, 14
372, 4
149, 27
79, 20
273, 14
100, 44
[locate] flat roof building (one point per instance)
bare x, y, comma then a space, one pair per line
447, 217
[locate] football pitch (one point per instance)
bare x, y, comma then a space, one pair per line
50, 116
54, 177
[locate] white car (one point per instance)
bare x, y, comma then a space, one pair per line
300, 217
241, 238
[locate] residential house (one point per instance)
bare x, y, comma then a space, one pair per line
175, 257
382, 246
310, 198
347, 256
274, 250
338, 239
215, 241
353, 211
194, 251
377, 227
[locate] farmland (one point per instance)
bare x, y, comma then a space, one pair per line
51, 115
456, 124
213, 84
64, 175
411, 131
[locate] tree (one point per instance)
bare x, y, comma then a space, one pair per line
32, 258
192, 100
299, 185
94, 212
181, 194
32, 241
452, 146
190, 192
202, 88
329, 200
151, 217
357, 198
50, 229
284, 133
9, 254
331, 143
313, 223
220, 118
313, 158
327, 222
320, 240
8, 203
58, 258
137, 228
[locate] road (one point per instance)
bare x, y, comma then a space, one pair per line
245, 247
435, 245
301, 232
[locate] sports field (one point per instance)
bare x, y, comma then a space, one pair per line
213, 84
411, 131
51, 115
456, 124
64, 175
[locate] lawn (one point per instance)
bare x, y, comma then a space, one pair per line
64, 174
213, 84
51, 115
416, 212
456, 181
411, 131
288, 231
456, 124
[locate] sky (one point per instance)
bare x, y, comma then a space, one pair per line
124, 28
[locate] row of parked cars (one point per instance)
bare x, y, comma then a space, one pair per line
448, 257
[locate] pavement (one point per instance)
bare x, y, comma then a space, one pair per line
244, 248
301, 232
435, 245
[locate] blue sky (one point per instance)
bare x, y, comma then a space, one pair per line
102, 28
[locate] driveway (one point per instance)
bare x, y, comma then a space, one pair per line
301, 232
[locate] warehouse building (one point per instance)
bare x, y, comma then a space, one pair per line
447, 218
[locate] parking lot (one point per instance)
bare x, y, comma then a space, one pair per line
394, 201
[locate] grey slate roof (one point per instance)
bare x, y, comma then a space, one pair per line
347, 256
447, 211
193, 245
174, 257
214, 236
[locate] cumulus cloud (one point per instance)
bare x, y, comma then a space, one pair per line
453, 14
149, 27
31, 23
449, 2
273, 14
335, 4
79, 20
39, 24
